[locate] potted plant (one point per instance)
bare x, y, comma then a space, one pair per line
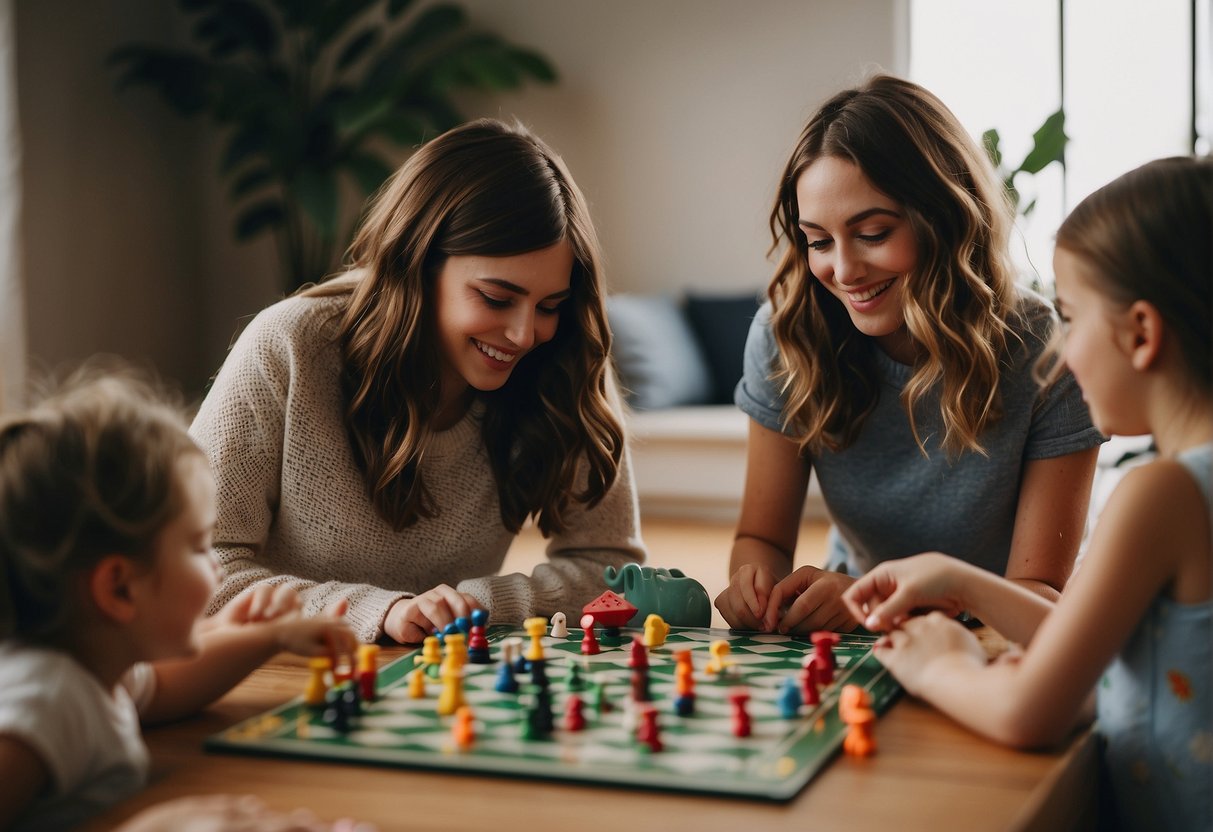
310, 92
1048, 146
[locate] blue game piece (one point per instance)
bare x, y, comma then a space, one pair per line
480, 618
438, 634
684, 705
451, 628
462, 624
506, 683
789, 699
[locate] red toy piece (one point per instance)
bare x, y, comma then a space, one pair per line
738, 697
808, 682
638, 656
823, 645
648, 732
589, 642
574, 714
610, 610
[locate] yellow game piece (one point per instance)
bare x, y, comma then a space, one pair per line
451, 697
317, 685
536, 628
463, 729
655, 631
456, 651
417, 684
431, 652
719, 650
368, 658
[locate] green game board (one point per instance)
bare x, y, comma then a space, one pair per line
701, 754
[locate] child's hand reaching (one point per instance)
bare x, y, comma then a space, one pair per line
744, 603
263, 602
889, 594
915, 652
326, 634
410, 620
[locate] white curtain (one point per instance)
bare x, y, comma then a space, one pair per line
12, 304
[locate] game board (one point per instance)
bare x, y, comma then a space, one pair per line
700, 754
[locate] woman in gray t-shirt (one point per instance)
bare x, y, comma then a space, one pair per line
896, 359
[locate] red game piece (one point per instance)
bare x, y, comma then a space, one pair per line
738, 697
574, 714
823, 646
648, 732
589, 642
638, 657
610, 610
808, 682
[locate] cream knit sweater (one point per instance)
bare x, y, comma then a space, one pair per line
293, 508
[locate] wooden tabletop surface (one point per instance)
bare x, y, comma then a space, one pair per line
928, 774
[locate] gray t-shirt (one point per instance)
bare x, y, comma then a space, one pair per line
888, 500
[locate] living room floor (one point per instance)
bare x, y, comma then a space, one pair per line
700, 548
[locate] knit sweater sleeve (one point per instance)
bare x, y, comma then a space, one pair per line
607, 534
241, 426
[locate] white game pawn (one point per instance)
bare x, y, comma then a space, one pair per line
559, 626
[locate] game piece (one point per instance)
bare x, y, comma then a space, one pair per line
598, 698
511, 650
417, 684
589, 642
573, 682
368, 671
789, 699
335, 715
539, 675
855, 710
560, 626
452, 688
655, 631
684, 683
478, 644
536, 628
463, 729
684, 704
738, 697
537, 720
823, 647
463, 624
574, 713
456, 651
351, 699
317, 685
638, 654
717, 664
610, 611
808, 681
640, 685
649, 732
431, 656
506, 683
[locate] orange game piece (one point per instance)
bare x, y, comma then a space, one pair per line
464, 729
855, 709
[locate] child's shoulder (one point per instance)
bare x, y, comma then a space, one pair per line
1163, 498
34, 680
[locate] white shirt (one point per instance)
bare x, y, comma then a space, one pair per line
88, 738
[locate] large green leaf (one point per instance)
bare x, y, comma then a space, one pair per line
242, 146
1048, 144
259, 217
251, 180
989, 141
182, 79
534, 64
235, 25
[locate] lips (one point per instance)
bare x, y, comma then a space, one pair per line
493, 352
870, 292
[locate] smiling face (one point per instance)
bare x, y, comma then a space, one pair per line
492, 311
860, 248
1094, 348
184, 573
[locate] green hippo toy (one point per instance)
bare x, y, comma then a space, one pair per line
679, 600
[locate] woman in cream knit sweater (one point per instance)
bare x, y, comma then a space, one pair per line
383, 436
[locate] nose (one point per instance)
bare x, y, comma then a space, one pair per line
849, 267
521, 327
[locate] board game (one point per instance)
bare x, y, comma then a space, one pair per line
700, 752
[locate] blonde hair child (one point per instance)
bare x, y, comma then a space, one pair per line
107, 509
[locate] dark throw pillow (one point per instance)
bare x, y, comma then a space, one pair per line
721, 323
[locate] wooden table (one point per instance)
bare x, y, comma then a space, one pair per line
928, 774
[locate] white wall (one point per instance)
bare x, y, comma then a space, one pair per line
674, 115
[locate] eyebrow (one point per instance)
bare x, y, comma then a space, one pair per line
860, 217
518, 290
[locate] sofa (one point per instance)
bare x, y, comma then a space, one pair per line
678, 361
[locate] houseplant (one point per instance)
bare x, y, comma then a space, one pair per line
311, 93
1048, 146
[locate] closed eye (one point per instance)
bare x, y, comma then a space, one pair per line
492, 302
876, 238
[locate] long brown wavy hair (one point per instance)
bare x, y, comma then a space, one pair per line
958, 299
490, 189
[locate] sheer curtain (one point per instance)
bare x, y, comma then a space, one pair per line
12, 305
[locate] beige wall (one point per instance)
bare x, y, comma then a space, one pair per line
674, 116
